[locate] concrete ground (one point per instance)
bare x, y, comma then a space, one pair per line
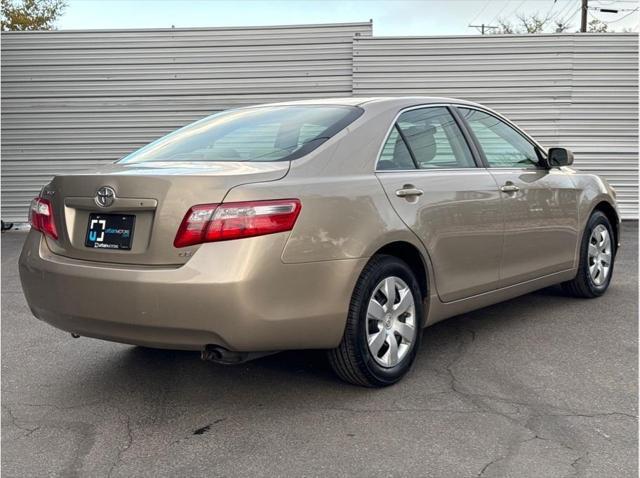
540, 386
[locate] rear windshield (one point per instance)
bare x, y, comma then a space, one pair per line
266, 133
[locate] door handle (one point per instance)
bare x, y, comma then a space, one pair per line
509, 188
406, 192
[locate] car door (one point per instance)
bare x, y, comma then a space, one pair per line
540, 205
433, 181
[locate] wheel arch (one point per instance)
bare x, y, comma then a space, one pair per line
608, 210
414, 258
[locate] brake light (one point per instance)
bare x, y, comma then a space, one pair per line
236, 220
41, 217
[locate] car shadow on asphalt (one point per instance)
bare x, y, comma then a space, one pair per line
311, 366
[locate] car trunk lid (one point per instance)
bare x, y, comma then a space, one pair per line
158, 194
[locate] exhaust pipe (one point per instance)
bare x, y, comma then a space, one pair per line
210, 354
217, 354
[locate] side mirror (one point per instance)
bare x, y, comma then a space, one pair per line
559, 157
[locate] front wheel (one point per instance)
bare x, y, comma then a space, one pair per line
384, 325
597, 254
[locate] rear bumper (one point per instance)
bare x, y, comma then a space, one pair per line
235, 294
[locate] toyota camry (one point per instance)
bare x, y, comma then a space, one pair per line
342, 224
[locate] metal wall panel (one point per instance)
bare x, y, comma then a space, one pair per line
72, 99
574, 90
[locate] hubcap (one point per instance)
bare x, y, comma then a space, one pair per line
391, 321
599, 254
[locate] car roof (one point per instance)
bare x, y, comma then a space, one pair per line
390, 101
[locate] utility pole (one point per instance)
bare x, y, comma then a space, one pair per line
482, 27
583, 17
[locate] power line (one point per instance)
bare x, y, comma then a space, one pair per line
480, 12
560, 13
558, 19
515, 10
488, 26
497, 15
612, 10
569, 17
548, 15
481, 28
631, 12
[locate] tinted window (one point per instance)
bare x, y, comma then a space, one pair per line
395, 154
432, 136
503, 146
250, 134
435, 139
309, 131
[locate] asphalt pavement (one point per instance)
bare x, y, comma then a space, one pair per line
539, 386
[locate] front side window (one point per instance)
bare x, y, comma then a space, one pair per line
503, 146
268, 133
426, 138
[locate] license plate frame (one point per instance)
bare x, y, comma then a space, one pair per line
110, 231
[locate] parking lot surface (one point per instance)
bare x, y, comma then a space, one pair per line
540, 386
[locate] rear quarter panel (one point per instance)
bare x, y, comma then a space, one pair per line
342, 217
345, 211
346, 215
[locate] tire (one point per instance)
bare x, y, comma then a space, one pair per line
593, 279
354, 360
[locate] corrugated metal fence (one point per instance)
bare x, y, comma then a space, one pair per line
72, 99
574, 90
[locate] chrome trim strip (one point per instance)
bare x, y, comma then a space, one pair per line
434, 170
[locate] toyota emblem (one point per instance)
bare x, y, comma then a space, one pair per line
105, 196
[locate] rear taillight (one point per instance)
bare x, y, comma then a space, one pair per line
235, 220
41, 217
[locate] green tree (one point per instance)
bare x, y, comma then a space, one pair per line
31, 14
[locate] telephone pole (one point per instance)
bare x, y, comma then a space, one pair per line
482, 27
583, 17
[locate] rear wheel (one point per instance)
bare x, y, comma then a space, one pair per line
384, 325
597, 254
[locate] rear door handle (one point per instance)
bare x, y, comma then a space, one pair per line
509, 188
408, 192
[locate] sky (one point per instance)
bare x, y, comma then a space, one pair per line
390, 17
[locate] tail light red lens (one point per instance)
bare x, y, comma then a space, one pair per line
236, 220
41, 217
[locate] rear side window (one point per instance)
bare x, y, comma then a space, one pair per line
395, 154
251, 134
425, 138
